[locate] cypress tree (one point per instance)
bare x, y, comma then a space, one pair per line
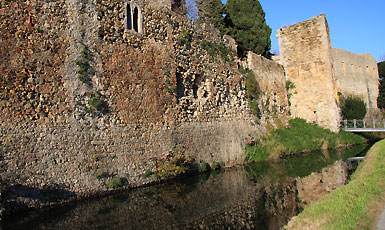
381, 87
211, 11
245, 22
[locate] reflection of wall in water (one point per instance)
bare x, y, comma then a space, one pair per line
227, 200
219, 201
317, 184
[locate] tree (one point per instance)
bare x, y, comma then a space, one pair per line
211, 11
381, 87
353, 108
191, 9
245, 22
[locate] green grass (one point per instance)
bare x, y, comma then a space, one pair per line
350, 206
300, 137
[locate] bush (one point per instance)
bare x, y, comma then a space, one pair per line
203, 167
216, 165
353, 108
115, 182
97, 104
175, 164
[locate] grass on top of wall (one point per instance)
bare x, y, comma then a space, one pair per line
353, 206
299, 137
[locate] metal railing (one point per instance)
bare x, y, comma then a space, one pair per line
364, 125
354, 162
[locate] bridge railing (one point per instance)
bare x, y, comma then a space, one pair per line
363, 124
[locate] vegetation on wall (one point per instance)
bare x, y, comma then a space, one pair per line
289, 87
96, 103
217, 49
381, 87
352, 108
83, 63
176, 163
299, 137
252, 92
186, 38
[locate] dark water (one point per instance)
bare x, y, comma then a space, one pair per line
258, 196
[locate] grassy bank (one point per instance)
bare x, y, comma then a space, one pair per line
354, 206
299, 137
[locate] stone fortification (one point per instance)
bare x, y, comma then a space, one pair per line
357, 75
90, 87
271, 81
306, 55
321, 74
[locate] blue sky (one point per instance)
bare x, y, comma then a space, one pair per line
355, 25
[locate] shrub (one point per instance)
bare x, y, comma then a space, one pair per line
147, 173
289, 86
115, 182
175, 164
216, 165
186, 38
85, 69
353, 108
97, 104
100, 173
203, 167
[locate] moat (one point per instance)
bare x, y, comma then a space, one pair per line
258, 196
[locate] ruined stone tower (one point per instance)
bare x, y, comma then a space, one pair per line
306, 55
321, 73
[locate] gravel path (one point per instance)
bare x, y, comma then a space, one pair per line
381, 221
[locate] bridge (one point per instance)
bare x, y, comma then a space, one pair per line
363, 125
353, 162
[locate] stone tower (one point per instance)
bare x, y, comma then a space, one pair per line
306, 54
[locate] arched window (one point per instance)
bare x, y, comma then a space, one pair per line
128, 16
135, 17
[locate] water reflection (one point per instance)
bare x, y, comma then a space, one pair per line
259, 196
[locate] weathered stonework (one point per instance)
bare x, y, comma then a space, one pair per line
357, 75
158, 88
271, 80
307, 57
320, 73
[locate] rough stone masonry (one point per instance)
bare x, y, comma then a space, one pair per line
96, 89
320, 73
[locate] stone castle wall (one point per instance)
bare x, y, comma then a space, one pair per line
306, 55
169, 83
357, 75
320, 73
272, 83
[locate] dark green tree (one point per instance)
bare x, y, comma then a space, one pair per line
381, 87
211, 11
245, 22
353, 108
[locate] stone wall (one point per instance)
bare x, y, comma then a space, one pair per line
320, 73
306, 55
80, 94
272, 82
357, 75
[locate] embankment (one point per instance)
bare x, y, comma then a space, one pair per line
299, 137
354, 206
